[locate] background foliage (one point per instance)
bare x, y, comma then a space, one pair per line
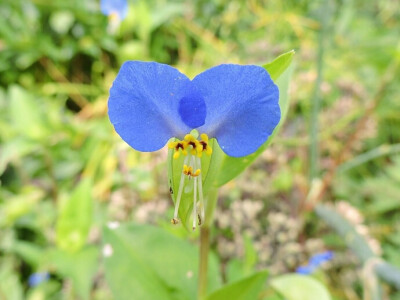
65, 174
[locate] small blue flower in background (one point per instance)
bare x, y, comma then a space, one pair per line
151, 102
114, 8
37, 278
315, 262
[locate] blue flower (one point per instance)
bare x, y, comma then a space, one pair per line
315, 262
114, 8
37, 278
151, 102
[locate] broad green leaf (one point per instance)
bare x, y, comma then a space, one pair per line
75, 218
299, 287
79, 266
233, 166
248, 288
14, 150
279, 64
25, 114
10, 286
150, 263
19, 205
29, 252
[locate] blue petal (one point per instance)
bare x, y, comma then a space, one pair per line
120, 7
305, 270
37, 278
320, 258
242, 107
144, 103
192, 107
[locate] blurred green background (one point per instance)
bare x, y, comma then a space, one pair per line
65, 173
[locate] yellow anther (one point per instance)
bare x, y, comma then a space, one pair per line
192, 141
204, 144
113, 16
179, 146
204, 137
188, 170
189, 138
172, 145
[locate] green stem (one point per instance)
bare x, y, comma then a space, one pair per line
203, 261
316, 99
205, 242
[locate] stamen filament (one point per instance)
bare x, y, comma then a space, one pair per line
194, 196
192, 148
200, 184
178, 199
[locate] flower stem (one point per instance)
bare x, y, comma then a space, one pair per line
210, 205
316, 98
203, 261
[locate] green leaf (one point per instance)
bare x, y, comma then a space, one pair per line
151, 263
299, 287
25, 114
10, 286
248, 288
80, 267
14, 150
19, 205
75, 218
29, 252
233, 166
279, 64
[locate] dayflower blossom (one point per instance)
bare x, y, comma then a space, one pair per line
150, 103
315, 262
114, 9
37, 278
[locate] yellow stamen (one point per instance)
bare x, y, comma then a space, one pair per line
204, 145
179, 146
113, 16
188, 170
204, 137
193, 149
172, 145
175, 220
